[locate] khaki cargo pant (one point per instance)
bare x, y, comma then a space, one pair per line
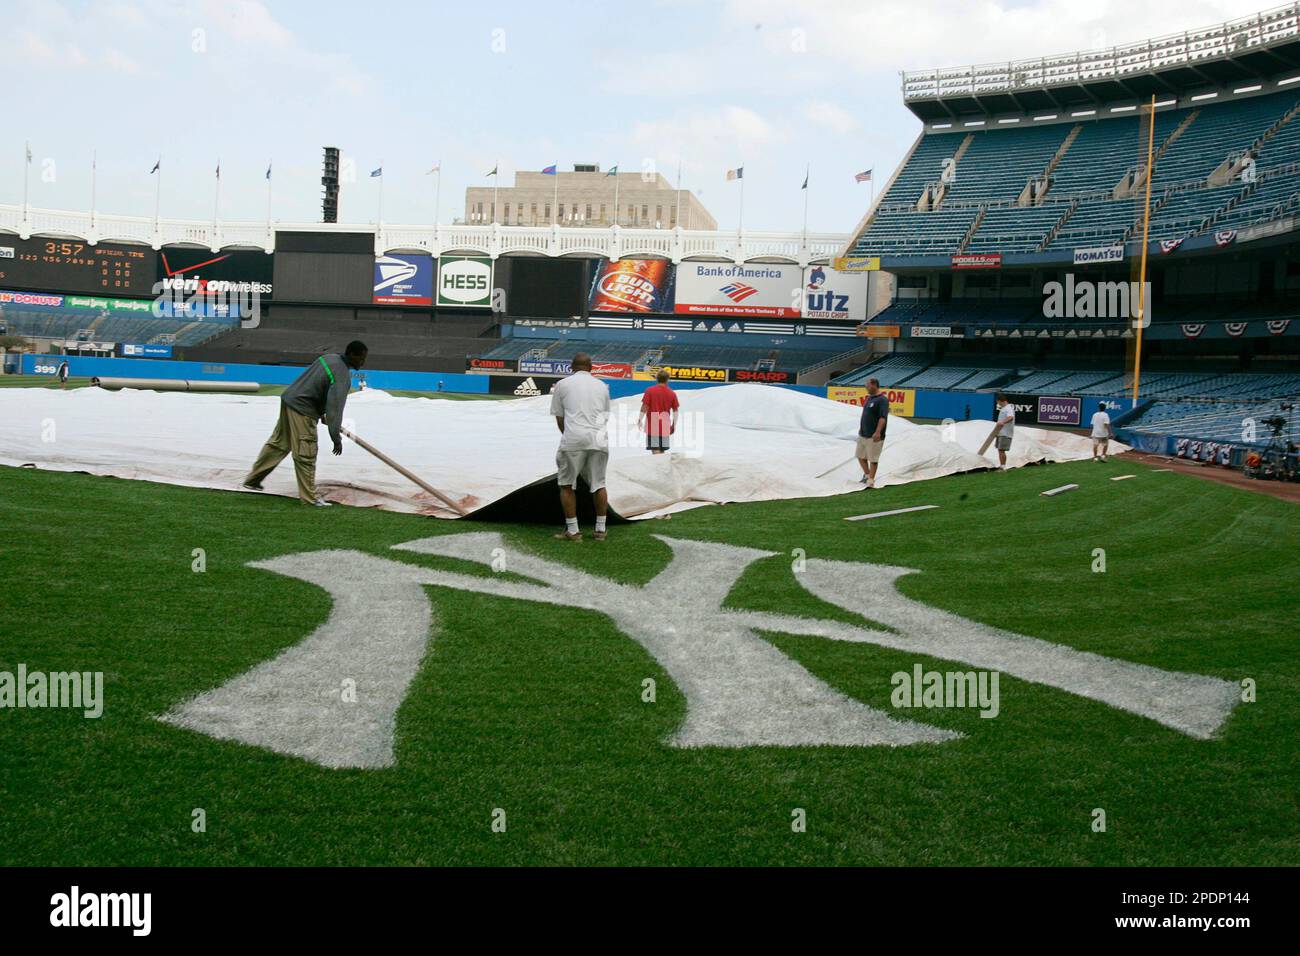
295, 433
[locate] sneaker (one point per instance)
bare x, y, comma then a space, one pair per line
598, 535
864, 480
565, 536
254, 486
321, 503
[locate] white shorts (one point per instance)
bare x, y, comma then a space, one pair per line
1097, 438
589, 463
869, 449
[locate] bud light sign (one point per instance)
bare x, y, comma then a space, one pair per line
632, 285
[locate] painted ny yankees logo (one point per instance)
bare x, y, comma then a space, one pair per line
740, 690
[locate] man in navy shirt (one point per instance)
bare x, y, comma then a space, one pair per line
871, 431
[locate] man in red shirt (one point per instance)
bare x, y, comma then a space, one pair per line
658, 415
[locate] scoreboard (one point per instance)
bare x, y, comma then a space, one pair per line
71, 265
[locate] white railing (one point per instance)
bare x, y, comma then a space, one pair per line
1226, 39
492, 240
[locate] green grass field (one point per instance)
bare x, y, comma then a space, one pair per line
537, 709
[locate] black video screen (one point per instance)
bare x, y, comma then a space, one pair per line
546, 287
336, 278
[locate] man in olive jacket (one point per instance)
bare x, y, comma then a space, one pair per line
319, 393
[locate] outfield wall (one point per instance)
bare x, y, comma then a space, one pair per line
262, 374
927, 403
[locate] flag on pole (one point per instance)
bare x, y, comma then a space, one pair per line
550, 170
218, 169
613, 171
737, 173
268, 171
863, 177
376, 173
805, 180
494, 171
436, 167
29, 152
156, 166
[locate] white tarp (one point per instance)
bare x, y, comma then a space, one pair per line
736, 443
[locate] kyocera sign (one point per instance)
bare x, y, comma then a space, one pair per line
465, 282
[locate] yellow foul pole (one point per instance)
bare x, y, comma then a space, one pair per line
1146, 235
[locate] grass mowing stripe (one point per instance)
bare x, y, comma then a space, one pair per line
537, 709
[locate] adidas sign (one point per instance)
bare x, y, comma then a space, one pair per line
527, 388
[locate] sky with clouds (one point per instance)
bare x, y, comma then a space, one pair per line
778, 85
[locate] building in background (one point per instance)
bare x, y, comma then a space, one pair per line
586, 197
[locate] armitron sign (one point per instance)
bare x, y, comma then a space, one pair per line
691, 373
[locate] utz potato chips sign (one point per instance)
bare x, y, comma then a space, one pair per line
829, 294
632, 285
465, 281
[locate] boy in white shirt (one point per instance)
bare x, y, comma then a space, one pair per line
580, 404
1006, 429
1102, 433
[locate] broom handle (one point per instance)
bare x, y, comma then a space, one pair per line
404, 473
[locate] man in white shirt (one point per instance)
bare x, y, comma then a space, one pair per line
1102, 433
580, 404
1006, 428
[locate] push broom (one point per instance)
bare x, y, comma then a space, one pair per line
405, 473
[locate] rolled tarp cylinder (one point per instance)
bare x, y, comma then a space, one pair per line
175, 385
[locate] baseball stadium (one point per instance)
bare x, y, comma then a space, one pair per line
960, 537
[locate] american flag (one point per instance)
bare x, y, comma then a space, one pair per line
863, 177
738, 173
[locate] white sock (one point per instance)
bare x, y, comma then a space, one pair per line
571, 525
600, 522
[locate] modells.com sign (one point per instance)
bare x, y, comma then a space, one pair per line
465, 281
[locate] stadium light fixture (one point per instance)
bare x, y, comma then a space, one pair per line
1122, 109
1166, 103
1294, 79
1084, 113
1203, 96
1015, 120
1049, 116
974, 123
1249, 89
941, 126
